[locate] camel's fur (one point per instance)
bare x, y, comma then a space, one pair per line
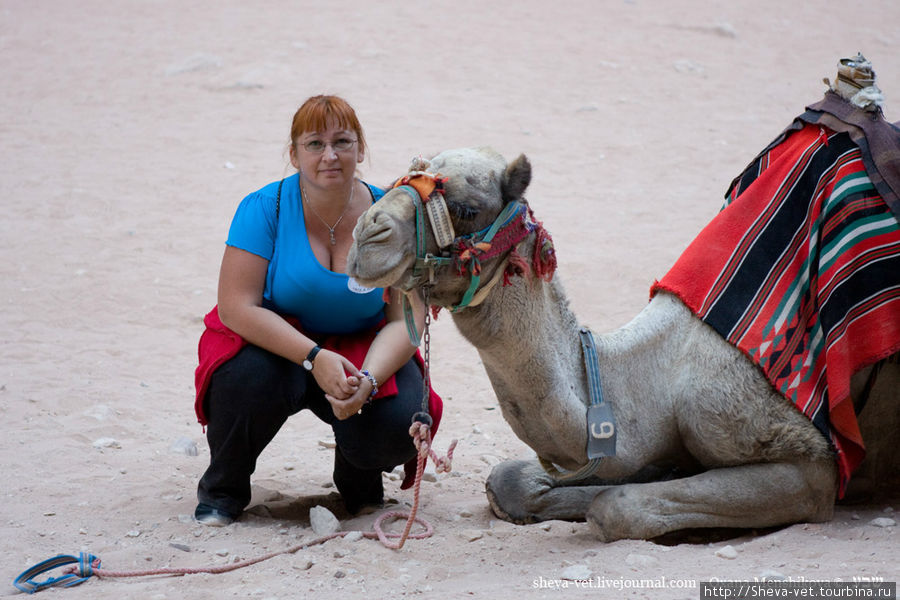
703, 439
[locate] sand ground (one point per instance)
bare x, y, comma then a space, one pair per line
131, 130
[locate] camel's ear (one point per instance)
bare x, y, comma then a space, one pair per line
516, 178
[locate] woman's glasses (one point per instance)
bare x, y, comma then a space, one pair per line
338, 145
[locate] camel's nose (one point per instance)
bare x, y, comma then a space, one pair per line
374, 226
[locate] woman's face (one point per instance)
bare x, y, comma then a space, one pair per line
327, 158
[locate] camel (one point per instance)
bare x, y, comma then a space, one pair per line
703, 439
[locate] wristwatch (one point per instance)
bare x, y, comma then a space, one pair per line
308, 361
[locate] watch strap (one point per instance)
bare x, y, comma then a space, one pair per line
308, 361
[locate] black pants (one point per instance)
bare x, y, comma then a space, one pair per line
251, 396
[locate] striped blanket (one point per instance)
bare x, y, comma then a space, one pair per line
801, 271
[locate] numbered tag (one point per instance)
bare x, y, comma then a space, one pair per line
601, 431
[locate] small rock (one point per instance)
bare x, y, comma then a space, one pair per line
304, 563
772, 575
688, 66
228, 164
465, 514
546, 526
471, 535
185, 446
339, 574
182, 547
134, 533
641, 560
725, 30
490, 460
195, 62
476, 429
106, 443
429, 474
329, 443
883, 522
727, 552
354, 536
82, 531
101, 412
854, 517
577, 573
288, 467
323, 521
222, 552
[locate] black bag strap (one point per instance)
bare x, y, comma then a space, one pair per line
278, 200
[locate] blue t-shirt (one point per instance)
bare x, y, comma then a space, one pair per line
296, 282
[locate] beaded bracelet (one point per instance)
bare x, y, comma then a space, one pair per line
374, 383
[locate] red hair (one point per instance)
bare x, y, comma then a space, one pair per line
319, 111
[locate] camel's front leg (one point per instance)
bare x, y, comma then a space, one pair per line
521, 492
757, 495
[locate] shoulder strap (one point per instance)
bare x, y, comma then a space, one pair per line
278, 200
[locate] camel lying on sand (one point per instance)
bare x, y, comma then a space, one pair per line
703, 439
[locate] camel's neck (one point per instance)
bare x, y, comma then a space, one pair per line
528, 341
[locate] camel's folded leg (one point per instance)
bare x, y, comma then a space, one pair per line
756, 495
520, 491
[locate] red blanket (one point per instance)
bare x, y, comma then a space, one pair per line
801, 271
218, 344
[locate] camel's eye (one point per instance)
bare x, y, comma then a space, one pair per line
461, 211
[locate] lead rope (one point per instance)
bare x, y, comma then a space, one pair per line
420, 431
88, 564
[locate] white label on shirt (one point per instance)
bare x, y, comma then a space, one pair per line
357, 288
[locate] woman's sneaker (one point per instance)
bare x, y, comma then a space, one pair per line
212, 516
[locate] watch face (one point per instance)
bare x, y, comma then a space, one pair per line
307, 365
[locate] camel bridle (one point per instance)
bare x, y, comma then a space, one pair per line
466, 252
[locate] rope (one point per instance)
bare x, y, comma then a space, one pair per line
88, 564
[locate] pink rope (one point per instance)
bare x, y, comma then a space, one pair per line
421, 437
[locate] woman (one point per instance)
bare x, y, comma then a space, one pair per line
291, 331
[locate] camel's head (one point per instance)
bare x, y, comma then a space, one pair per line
479, 184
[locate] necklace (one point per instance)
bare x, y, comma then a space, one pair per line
330, 228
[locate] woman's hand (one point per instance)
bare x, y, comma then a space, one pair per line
329, 370
346, 408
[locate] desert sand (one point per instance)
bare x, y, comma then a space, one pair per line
130, 132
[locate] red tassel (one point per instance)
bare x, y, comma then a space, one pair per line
544, 255
517, 266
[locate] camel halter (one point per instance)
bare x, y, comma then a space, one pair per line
426, 190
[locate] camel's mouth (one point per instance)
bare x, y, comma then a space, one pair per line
377, 258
